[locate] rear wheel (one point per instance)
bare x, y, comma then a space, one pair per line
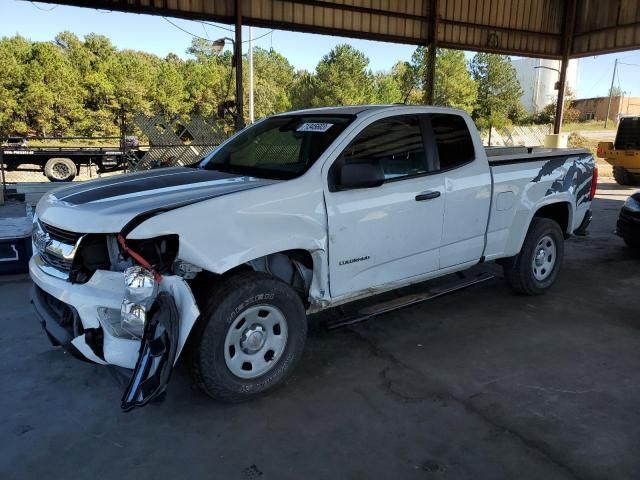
60, 170
622, 176
251, 335
536, 267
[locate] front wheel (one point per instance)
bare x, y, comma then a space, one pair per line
536, 267
251, 335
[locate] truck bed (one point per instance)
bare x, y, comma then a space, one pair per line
506, 155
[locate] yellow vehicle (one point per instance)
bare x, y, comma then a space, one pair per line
624, 153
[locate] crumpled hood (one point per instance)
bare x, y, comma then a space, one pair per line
107, 205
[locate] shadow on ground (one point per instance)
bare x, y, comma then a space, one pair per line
479, 384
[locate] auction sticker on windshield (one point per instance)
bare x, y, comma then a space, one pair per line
314, 127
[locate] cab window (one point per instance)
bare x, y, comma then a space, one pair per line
395, 142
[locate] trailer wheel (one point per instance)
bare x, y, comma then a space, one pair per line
249, 338
622, 176
536, 267
60, 170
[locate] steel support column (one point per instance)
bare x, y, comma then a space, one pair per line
432, 47
237, 55
569, 24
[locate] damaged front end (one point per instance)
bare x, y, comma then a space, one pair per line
158, 350
117, 302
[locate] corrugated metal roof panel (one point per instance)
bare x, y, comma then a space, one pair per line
518, 27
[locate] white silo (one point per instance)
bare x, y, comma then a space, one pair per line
538, 78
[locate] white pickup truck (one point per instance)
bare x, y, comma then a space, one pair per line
300, 212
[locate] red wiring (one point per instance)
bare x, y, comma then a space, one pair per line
138, 258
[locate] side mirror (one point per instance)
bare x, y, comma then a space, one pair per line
365, 174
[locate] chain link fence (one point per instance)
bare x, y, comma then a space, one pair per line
530, 136
177, 141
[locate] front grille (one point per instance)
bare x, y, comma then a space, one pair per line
57, 262
61, 235
54, 244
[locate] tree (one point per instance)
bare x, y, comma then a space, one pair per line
454, 86
499, 91
617, 91
343, 78
303, 89
570, 114
273, 79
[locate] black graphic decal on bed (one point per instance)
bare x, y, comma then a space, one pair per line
569, 174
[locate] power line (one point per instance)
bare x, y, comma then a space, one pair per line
217, 26
203, 38
42, 8
185, 31
261, 36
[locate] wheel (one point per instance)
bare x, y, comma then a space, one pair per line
249, 338
60, 170
536, 267
622, 176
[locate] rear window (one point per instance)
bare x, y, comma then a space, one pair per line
453, 139
628, 136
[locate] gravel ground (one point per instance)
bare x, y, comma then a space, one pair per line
33, 173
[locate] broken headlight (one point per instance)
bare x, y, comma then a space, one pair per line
141, 289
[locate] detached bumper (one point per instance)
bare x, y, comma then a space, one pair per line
74, 314
53, 321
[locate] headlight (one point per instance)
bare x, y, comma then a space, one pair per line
140, 291
632, 205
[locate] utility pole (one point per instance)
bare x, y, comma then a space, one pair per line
250, 55
239, 123
615, 68
432, 48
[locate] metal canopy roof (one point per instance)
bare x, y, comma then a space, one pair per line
537, 28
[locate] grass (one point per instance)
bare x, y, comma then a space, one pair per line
593, 125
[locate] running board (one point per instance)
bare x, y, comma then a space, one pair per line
463, 281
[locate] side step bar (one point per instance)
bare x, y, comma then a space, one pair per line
438, 290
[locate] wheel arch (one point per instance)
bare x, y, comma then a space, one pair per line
560, 211
299, 268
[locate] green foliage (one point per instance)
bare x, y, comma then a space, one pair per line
343, 78
548, 114
499, 91
454, 86
83, 86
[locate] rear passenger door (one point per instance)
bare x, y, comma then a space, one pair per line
389, 233
467, 190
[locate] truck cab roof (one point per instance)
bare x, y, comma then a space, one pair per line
358, 110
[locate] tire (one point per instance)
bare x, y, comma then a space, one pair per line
226, 339
622, 176
531, 272
60, 170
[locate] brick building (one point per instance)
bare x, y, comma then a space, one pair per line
596, 108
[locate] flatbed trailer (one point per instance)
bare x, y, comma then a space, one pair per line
62, 163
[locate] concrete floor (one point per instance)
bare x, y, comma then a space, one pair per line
479, 384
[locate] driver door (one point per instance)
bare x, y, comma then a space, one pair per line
390, 233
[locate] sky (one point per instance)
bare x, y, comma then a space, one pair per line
42, 22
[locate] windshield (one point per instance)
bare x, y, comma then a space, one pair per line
279, 147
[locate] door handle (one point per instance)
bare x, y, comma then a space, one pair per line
427, 196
